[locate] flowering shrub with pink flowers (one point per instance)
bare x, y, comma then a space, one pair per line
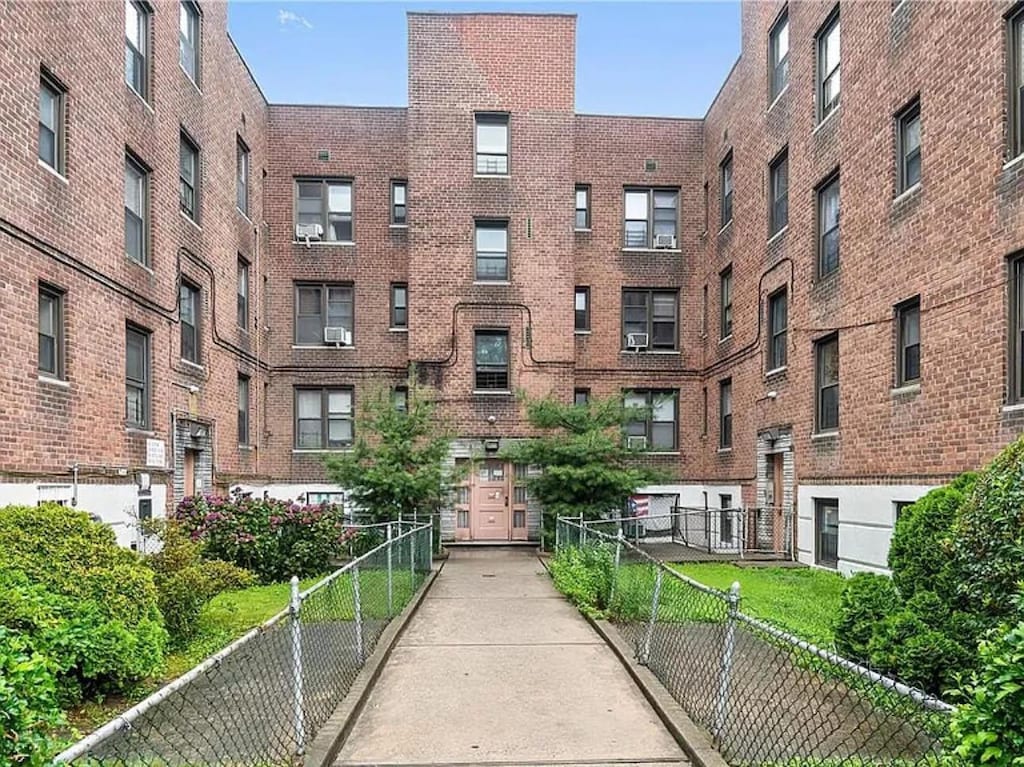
272, 538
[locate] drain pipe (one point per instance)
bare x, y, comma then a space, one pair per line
74, 485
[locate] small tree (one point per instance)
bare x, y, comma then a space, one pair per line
585, 465
398, 462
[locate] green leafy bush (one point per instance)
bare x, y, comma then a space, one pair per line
585, 575
185, 581
28, 704
988, 729
274, 539
867, 600
78, 599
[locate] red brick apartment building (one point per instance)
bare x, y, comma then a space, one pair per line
273, 263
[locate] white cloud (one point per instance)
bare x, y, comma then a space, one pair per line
289, 19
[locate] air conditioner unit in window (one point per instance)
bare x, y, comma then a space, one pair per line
665, 241
636, 443
309, 232
636, 341
338, 336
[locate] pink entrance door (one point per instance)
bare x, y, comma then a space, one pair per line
489, 504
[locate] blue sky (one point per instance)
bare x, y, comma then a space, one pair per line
657, 58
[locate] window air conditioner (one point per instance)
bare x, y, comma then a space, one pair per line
338, 336
309, 232
636, 443
665, 241
636, 341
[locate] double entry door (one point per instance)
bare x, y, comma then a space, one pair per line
492, 502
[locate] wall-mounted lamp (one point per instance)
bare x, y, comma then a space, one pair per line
492, 445
197, 431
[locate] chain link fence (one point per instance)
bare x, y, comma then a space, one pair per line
262, 699
766, 697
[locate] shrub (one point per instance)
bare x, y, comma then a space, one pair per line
585, 575
988, 728
921, 550
185, 581
867, 599
28, 704
274, 539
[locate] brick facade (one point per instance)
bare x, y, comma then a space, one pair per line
946, 241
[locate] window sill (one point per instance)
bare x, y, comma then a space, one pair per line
492, 175
777, 97
825, 435
652, 352
191, 220
907, 194
493, 283
189, 78
724, 450
776, 371
662, 452
898, 5
581, 332
139, 431
1017, 407
400, 227
584, 230
725, 227
397, 330
324, 346
52, 171
50, 380
651, 250
140, 97
243, 214
824, 121
492, 393
1008, 165
910, 388
329, 243
725, 339
246, 448
192, 367
778, 234
319, 450
139, 264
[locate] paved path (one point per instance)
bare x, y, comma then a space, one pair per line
498, 669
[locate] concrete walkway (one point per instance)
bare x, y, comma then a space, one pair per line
497, 668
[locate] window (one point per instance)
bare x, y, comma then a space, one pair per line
826, 354
582, 206
725, 518
242, 176
189, 178
659, 428
778, 188
491, 251
582, 309
145, 510
727, 189
243, 293
318, 307
51, 332
1017, 330
398, 203
725, 414
491, 360
492, 144
650, 214
826, 524
188, 39
778, 322
704, 412
1015, 58
317, 499
828, 227
909, 146
400, 399
137, 378
898, 508
652, 313
243, 409
828, 67
136, 211
581, 396
188, 311
327, 203
51, 123
399, 305
908, 344
323, 418
136, 47
778, 53
725, 291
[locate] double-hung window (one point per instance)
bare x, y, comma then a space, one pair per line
826, 529
828, 227
582, 220
778, 51
136, 47
727, 189
51, 123
778, 321
659, 428
582, 307
828, 67
51, 332
491, 362
652, 315
242, 176
136, 211
188, 315
243, 409
725, 414
651, 218
491, 144
398, 203
137, 377
399, 305
580, 397
778, 191
826, 354
327, 203
323, 418
1016, 284
491, 241
725, 291
909, 146
188, 39
188, 186
908, 342
324, 314
243, 293
1015, 61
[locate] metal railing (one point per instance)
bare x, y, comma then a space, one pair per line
263, 698
767, 697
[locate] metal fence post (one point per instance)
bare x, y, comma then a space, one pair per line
391, 579
618, 558
412, 561
299, 724
358, 607
645, 650
725, 672
558, 533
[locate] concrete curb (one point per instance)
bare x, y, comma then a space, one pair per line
692, 738
325, 746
